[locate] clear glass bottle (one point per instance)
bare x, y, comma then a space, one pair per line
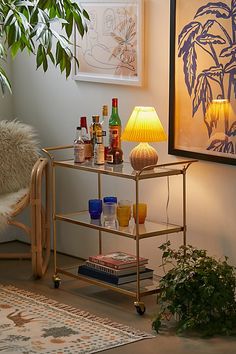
95, 129
105, 128
114, 153
114, 123
79, 150
86, 139
99, 150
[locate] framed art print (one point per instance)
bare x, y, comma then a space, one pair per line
202, 114
112, 49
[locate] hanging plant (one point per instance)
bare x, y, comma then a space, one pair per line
198, 291
30, 25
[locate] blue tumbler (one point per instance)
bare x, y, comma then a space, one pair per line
95, 208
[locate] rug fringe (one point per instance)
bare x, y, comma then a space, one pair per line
105, 321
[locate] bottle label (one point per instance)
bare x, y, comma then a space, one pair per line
114, 136
79, 153
99, 154
109, 158
88, 151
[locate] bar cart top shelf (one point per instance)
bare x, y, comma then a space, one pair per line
124, 170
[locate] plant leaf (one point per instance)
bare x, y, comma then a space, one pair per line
206, 38
4, 81
216, 73
190, 68
226, 52
187, 36
231, 66
14, 48
198, 97
219, 9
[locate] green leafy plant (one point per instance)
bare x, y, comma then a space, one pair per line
198, 291
30, 25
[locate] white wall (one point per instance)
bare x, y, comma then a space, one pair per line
6, 106
54, 105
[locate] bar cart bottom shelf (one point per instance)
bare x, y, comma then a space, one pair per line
147, 286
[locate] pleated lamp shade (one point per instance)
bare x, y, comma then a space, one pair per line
143, 126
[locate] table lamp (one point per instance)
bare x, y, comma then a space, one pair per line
143, 126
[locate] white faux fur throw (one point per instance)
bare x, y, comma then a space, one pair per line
19, 150
6, 203
18, 154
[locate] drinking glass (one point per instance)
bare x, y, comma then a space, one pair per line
142, 212
95, 208
109, 211
123, 215
126, 202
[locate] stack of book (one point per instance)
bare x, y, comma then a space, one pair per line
115, 268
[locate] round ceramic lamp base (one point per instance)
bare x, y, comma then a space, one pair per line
143, 155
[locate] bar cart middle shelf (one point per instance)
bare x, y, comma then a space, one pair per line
140, 288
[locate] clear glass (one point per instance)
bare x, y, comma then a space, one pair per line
109, 211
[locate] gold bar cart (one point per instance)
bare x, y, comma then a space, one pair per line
133, 231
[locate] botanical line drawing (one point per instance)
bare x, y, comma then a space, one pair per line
212, 35
110, 46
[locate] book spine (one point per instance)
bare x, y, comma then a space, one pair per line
116, 272
102, 262
101, 268
109, 278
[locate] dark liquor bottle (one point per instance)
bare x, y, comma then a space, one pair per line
114, 123
114, 153
85, 137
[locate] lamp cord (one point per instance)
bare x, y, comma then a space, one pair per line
167, 204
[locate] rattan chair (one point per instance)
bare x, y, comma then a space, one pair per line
32, 194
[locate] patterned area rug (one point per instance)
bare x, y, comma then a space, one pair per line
31, 323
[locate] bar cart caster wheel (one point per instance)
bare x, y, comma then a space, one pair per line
57, 281
140, 307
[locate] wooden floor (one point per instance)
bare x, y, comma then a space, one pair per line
106, 303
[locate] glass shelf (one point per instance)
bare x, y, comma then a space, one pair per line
147, 286
125, 170
148, 229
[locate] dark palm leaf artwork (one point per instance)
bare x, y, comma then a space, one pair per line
212, 33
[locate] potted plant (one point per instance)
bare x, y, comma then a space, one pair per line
198, 291
30, 25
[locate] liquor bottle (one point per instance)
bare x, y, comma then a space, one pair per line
79, 155
95, 129
114, 153
85, 137
114, 123
105, 128
99, 150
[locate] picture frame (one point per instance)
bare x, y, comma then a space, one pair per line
112, 49
202, 92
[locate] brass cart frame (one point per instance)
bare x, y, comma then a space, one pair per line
82, 217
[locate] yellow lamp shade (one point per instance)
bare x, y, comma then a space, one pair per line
143, 126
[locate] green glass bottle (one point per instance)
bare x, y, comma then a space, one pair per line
115, 124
